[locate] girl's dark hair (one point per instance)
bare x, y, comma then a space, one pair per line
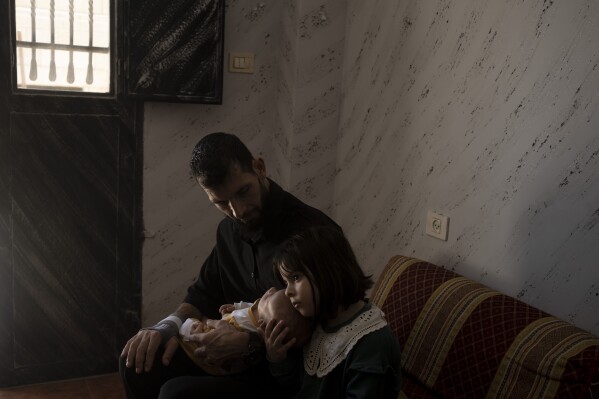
213, 156
326, 258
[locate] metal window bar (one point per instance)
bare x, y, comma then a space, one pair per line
89, 79
53, 46
52, 72
33, 67
71, 70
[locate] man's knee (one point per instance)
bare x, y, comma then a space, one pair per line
173, 389
122, 364
125, 371
126, 374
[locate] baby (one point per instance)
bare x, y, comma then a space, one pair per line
245, 316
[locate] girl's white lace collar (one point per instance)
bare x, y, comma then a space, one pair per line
326, 350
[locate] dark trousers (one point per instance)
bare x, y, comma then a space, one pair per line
183, 379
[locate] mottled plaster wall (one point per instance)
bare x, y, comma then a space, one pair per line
178, 217
483, 111
311, 60
320, 41
287, 112
487, 112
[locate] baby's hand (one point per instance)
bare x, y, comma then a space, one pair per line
226, 308
197, 327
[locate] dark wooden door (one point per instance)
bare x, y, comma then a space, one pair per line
69, 230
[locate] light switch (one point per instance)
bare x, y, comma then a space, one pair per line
241, 62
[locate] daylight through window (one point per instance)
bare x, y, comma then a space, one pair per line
63, 45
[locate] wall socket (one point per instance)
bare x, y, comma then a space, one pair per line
437, 225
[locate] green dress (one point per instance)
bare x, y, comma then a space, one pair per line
359, 358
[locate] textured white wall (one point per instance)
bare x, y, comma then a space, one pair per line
377, 111
487, 112
175, 208
287, 112
311, 75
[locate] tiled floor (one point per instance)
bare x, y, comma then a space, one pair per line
100, 387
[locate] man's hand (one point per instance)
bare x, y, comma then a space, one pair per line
274, 334
222, 344
141, 349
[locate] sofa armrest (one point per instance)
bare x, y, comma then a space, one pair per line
462, 339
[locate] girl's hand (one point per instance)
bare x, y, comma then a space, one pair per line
226, 308
274, 334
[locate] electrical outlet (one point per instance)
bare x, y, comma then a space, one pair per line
437, 225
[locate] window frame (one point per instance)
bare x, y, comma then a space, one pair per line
115, 65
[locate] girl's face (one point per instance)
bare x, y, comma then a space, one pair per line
299, 291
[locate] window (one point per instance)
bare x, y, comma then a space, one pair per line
63, 45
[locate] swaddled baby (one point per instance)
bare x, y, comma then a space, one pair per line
245, 316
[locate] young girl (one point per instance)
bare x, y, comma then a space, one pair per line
352, 352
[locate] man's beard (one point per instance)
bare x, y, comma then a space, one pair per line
248, 230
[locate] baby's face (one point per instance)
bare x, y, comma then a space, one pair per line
274, 305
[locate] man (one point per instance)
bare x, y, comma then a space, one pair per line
260, 216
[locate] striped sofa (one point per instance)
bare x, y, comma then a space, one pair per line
461, 339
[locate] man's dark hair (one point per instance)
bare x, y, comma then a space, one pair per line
326, 258
213, 156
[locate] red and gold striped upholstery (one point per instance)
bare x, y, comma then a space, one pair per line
460, 339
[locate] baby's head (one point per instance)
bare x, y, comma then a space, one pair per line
274, 305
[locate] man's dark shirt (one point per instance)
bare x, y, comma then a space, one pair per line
240, 268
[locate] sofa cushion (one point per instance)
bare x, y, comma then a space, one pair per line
461, 339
